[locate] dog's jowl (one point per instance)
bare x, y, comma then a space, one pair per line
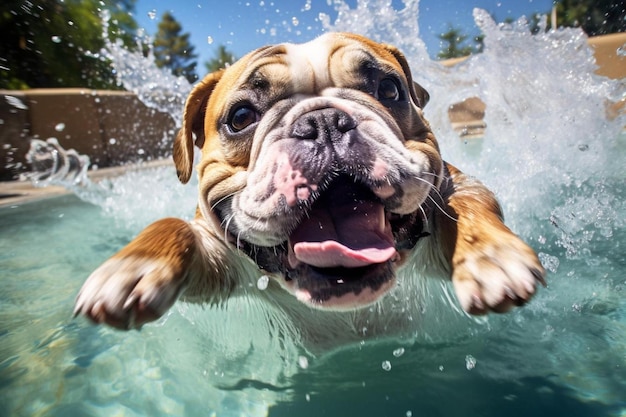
319, 171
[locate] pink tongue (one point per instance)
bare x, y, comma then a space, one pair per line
349, 234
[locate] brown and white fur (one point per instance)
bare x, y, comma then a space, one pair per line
319, 171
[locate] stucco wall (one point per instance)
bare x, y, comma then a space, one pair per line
111, 127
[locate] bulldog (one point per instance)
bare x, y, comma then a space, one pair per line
319, 173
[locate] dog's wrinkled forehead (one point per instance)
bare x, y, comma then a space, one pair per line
327, 61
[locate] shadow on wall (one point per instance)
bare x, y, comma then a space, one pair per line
111, 127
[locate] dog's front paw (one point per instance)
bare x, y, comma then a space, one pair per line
494, 272
126, 292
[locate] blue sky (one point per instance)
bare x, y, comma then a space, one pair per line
243, 25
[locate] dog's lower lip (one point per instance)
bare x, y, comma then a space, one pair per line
336, 274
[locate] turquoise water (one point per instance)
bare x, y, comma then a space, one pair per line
563, 354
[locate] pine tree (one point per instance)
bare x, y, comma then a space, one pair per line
453, 44
223, 58
173, 50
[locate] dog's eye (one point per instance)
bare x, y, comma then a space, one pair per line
241, 118
388, 89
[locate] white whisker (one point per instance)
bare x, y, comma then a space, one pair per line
436, 191
441, 209
221, 200
424, 215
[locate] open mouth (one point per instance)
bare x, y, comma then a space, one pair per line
342, 251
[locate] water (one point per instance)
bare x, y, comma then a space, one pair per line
555, 162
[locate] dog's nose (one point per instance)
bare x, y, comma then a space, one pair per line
323, 124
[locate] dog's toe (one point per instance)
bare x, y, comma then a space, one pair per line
497, 276
127, 292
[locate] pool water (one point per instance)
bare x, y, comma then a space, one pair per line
563, 354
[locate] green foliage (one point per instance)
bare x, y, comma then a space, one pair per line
223, 58
122, 25
453, 44
173, 50
54, 43
595, 17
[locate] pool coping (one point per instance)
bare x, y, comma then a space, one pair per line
15, 193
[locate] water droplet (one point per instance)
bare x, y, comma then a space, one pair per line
295, 21
263, 282
398, 352
441, 368
152, 14
59, 127
386, 365
583, 147
550, 262
16, 102
621, 51
470, 362
307, 397
409, 413
303, 362
56, 39
209, 40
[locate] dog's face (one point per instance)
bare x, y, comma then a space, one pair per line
316, 162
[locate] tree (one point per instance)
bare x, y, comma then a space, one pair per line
595, 17
223, 58
54, 43
173, 50
123, 25
452, 44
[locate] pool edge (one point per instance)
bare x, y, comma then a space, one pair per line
15, 193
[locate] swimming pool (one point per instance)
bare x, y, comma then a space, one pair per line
563, 354
553, 159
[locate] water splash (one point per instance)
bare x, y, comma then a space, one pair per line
51, 164
379, 20
156, 87
126, 195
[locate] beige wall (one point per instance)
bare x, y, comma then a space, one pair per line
111, 127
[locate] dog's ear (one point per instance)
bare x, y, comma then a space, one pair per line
193, 124
422, 95
419, 95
